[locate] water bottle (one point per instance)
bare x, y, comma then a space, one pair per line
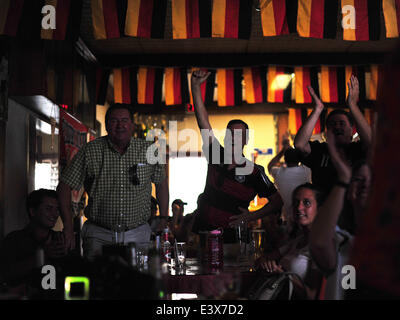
167, 247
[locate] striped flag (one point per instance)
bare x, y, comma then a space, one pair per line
359, 72
391, 13
255, 85
67, 20
273, 17
176, 86
105, 19
229, 85
361, 20
317, 18
102, 78
191, 19
145, 18
333, 84
296, 118
231, 19
10, 16
279, 84
125, 85
149, 85
305, 76
207, 88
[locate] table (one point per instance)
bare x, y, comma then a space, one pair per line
234, 279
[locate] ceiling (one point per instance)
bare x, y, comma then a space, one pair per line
289, 49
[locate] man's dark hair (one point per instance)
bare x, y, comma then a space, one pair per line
339, 111
116, 106
292, 155
36, 197
237, 121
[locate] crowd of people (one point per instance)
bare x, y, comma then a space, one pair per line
319, 194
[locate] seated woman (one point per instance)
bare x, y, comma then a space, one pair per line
294, 256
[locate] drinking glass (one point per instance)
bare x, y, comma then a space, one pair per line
241, 235
142, 255
118, 234
180, 255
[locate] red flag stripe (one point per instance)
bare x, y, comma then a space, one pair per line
257, 86
126, 88
63, 13
279, 92
230, 88
361, 8
145, 18
306, 82
192, 19
317, 19
299, 120
232, 19
13, 17
111, 19
177, 86
333, 93
280, 17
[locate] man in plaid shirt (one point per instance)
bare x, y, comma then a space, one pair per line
118, 179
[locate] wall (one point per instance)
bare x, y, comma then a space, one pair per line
16, 162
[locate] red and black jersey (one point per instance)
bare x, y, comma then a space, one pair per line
226, 191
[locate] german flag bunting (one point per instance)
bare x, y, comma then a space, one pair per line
255, 85
149, 86
207, 88
231, 19
273, 18
102, 78
359, 72
66, 21
145, 18
333, 84
229, 86
105, 19
191, 19
361, 19
279, 84
176, 86
391, 13
305, 76
125, 85
296, 118
317, 18
10, 16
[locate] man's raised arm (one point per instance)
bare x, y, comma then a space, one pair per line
301, 141
362, 126
198, 77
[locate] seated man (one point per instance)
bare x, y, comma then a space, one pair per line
176, 220
232, 180
19, 253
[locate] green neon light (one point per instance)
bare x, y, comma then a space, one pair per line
67, 288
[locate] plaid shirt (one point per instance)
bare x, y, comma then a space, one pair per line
119, 186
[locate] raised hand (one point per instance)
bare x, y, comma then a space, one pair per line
198, 77
354, 91
317, 101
